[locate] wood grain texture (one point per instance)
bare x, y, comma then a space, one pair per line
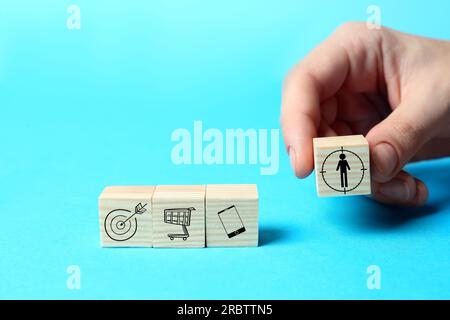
328, 166
120, 225
228, 209
177, 200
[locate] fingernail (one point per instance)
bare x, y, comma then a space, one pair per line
292, 157
385, 161
422, 192
395, 189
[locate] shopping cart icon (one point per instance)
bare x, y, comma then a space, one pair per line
181, 217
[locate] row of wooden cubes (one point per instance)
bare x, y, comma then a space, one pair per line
179, 216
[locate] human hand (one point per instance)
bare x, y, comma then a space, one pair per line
392, 87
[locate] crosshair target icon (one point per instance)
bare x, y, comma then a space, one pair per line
120, 225
343, 170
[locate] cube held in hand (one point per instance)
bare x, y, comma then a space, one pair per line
342, 166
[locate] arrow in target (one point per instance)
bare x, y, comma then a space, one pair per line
139, 209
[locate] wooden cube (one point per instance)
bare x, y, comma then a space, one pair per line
342, 166
179, 216
126, 217
231, 215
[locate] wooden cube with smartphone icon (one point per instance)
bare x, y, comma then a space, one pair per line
231, 215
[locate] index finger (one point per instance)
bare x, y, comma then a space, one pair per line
319, 76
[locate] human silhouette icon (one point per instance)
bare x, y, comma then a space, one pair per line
343, 166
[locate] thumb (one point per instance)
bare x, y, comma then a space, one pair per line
395, 140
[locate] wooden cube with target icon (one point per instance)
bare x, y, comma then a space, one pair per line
342, 166
125, 215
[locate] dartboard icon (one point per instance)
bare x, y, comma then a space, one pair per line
122, 224
343, 170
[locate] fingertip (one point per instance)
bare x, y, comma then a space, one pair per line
298, 133
385, 162
422, 192
403, 190
293, 159
301, 163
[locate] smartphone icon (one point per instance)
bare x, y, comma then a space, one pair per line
231, 221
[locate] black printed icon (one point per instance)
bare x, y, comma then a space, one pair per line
181, 217
231, 222
336, 177
343, 167
120, 225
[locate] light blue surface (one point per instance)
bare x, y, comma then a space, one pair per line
94, 107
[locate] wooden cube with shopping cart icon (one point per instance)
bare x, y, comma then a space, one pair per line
179, 216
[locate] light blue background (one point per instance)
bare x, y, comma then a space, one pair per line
84, 109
